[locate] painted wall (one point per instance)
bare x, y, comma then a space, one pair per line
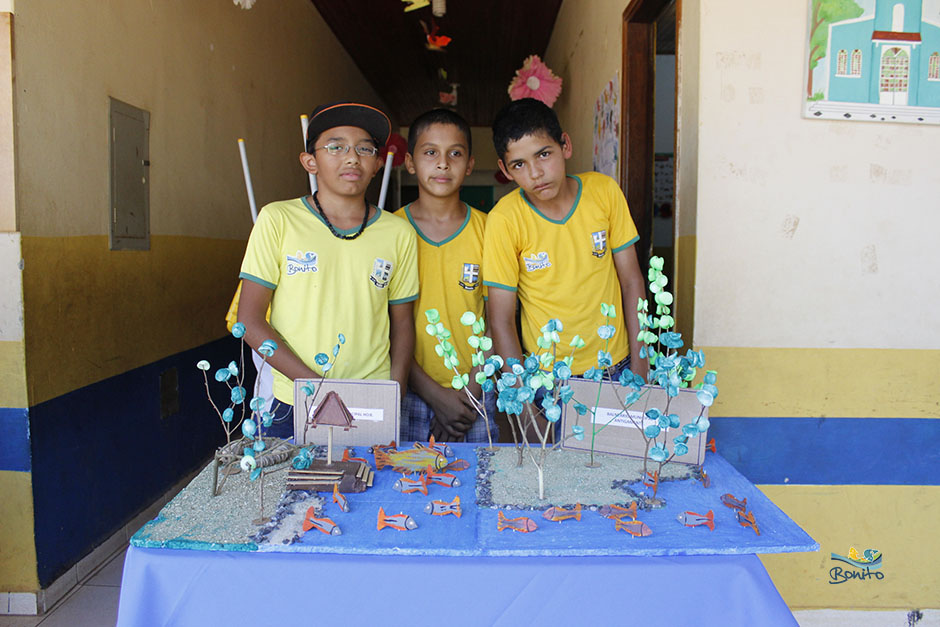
208, 73
813, 296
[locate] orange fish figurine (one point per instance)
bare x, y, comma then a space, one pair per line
456, 466
652, 481
558, 514
399, 522
729, 501
617, 512
691, 519
440, 447
348, 458
636, 528
711, 446
442, 508
442, 478
340, 498
407, 485
324, 525
746, 519
521, 524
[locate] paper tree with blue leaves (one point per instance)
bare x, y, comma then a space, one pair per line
668, 369
525, 392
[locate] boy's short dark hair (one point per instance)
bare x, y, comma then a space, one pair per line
526, 116
368, 118
438, 116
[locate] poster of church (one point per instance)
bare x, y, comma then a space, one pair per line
873, 60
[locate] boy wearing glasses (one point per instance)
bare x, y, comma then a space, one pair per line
332, 263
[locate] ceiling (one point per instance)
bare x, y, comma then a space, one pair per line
490, 39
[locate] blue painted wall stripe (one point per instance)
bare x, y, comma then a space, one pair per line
831, 451
14, 439
102, 453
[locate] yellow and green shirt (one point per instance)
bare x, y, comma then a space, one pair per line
324, 286
449, 272
563, 268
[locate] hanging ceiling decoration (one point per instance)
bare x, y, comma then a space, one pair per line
487, 40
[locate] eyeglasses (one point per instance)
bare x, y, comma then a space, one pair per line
335, 150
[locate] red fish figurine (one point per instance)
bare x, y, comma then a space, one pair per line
442, 508
636, 528
456, 466
521, 524
324, 525
711, 446
400, 522
691, 519
558, 514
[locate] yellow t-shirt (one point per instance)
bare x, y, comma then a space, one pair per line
563, 269
449, 273
324, 286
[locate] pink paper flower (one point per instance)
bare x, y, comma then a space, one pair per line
535, 80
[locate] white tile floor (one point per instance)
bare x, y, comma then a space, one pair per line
92, 603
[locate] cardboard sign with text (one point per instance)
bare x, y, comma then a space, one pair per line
375, 405
622, 434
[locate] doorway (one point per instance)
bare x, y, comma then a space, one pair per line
650, 30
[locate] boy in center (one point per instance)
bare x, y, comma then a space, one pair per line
450, 251
562, 244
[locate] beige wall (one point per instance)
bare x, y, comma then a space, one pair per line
208, 72
810, 233
585, 52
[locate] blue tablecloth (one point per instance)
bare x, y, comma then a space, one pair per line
183, 587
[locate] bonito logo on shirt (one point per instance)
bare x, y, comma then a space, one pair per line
381, 272
303, 262
538, 262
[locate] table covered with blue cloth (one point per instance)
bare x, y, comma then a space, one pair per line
465, 572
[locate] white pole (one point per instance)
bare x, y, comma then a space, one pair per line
248, 187
304, 123
388, 171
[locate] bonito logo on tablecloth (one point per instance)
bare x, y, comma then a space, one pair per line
864, 566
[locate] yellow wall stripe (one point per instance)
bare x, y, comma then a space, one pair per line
899, 521
12, 374
832, 382
92, 313
18, 555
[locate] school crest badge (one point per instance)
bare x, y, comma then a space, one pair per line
302, 262
381, 272
600, 243
470, 277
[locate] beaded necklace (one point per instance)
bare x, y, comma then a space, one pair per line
362, 227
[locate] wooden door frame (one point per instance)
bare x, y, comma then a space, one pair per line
638, 114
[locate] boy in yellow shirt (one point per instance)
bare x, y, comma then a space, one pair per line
450, 251
563, 244
332, 263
